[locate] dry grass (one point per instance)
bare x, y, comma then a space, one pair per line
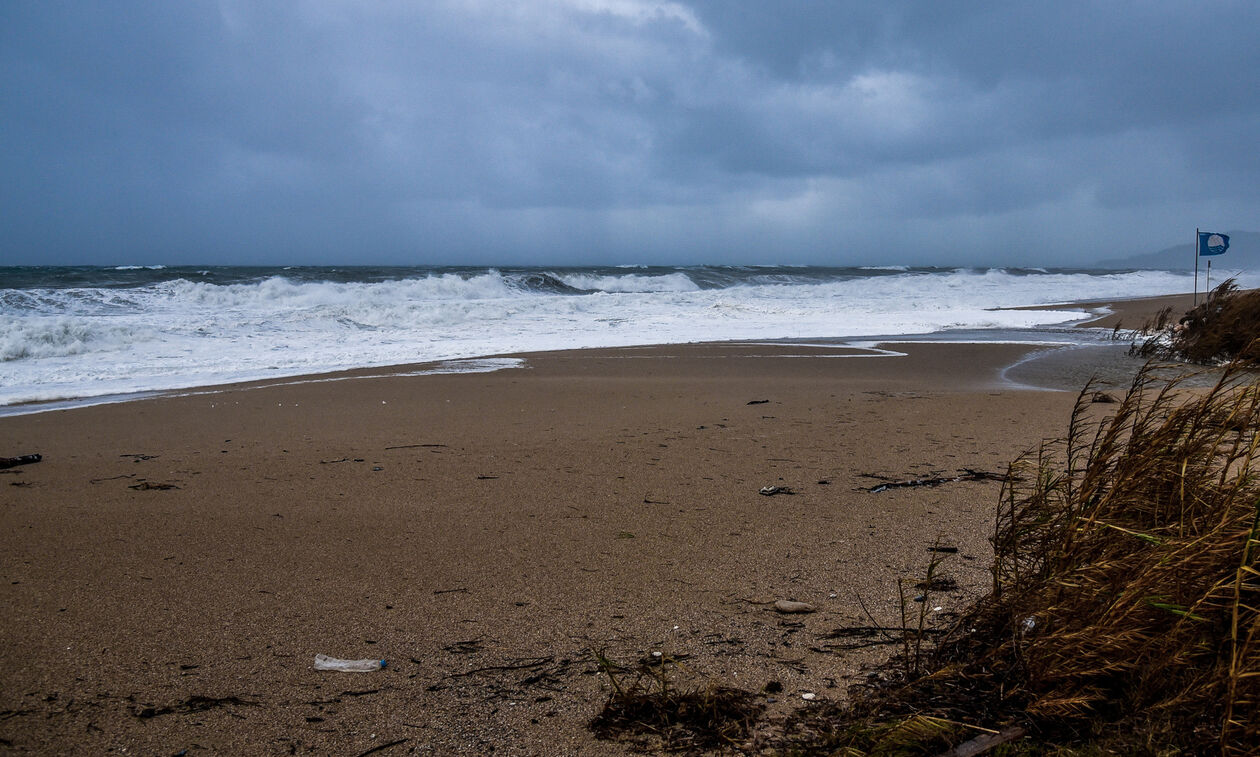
1126, 602
1225, 327
647, 709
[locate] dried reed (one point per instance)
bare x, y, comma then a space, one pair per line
1126, 601
1226, 326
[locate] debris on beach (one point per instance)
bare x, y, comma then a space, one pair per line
789, 606
150, 485
966, 474
770, 491
195, 703
650, 711
324, 662
758, 402
13, 462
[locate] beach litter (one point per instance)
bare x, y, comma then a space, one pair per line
324, 662
770, 491
789, 606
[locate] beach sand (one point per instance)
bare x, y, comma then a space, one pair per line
173, 565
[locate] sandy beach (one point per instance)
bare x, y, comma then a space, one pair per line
173, 565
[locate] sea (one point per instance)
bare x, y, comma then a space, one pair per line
103, 333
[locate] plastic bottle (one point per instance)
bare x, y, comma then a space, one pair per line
324, 662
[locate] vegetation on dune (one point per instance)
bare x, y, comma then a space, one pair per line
1226, 326
1126, 602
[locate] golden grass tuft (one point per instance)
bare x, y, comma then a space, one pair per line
1226, 326
1126, 602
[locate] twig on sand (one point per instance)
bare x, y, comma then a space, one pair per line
524, 664
383, 746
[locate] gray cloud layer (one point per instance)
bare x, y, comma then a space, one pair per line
588, 131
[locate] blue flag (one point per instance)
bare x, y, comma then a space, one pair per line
1212, 244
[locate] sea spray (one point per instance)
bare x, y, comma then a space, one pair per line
83, 332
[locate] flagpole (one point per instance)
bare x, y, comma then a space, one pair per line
1195, 247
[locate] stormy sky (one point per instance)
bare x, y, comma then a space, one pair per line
623, 131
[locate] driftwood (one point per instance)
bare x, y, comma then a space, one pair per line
13, 462
149, 485
967, 474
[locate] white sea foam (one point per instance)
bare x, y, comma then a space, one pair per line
179, 333
673, 282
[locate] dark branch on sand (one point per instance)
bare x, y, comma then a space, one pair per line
13, 462
967, 474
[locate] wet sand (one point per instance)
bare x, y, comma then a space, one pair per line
173, 565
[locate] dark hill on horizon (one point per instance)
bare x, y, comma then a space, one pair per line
1243, 255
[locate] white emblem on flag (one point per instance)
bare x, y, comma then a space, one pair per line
1215, 241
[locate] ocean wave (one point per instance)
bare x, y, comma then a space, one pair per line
180, 329
631, 283
62, 336
78, 301
544, 283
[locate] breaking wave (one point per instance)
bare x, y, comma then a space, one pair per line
89, 331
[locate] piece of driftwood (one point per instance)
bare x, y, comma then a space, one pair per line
13, 462
149, 485
967, 474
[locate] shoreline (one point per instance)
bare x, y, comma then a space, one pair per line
173, 565
1100, 314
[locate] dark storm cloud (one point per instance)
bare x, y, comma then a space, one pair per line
622, 130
